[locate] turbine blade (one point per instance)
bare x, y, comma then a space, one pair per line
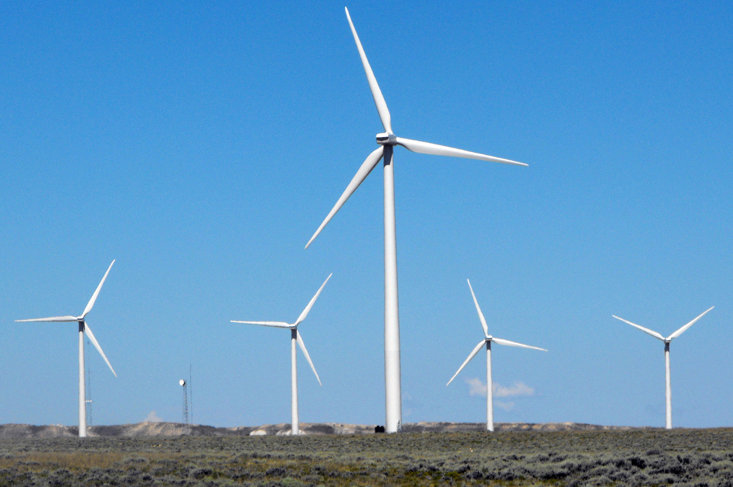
442, 150
645, 330
465, 362
274, 324
373, 86
90, 304
55, 319
510, 343
88, 332
307, 309
366, 167
301, 344
684, 328
478, 309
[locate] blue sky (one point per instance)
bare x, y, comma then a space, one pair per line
201, 145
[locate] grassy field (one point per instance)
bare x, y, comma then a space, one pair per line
637, 457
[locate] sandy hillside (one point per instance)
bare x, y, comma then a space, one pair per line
162, 429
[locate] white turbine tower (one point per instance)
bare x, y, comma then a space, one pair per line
667, 341
295, 336
486, 341
84, 329
387, 140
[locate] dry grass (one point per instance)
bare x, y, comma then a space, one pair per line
52, 460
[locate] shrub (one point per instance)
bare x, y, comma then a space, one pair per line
199, 473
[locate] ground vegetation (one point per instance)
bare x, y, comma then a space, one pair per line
694, 457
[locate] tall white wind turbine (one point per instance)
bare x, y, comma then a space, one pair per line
486, 341
667, 341
386, 141
295, 336
84, 329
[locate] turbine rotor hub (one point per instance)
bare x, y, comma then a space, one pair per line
386, 138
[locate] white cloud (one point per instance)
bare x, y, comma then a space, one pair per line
477, 388
506, 406
152, 417
516, 389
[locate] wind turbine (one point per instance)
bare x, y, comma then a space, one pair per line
487, 340
667, 341
84, 329
386, 141
295, 336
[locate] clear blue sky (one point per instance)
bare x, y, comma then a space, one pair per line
201, 145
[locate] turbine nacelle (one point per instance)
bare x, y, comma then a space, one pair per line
386, 138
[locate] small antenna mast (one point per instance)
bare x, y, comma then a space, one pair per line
184, 385
190, 393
